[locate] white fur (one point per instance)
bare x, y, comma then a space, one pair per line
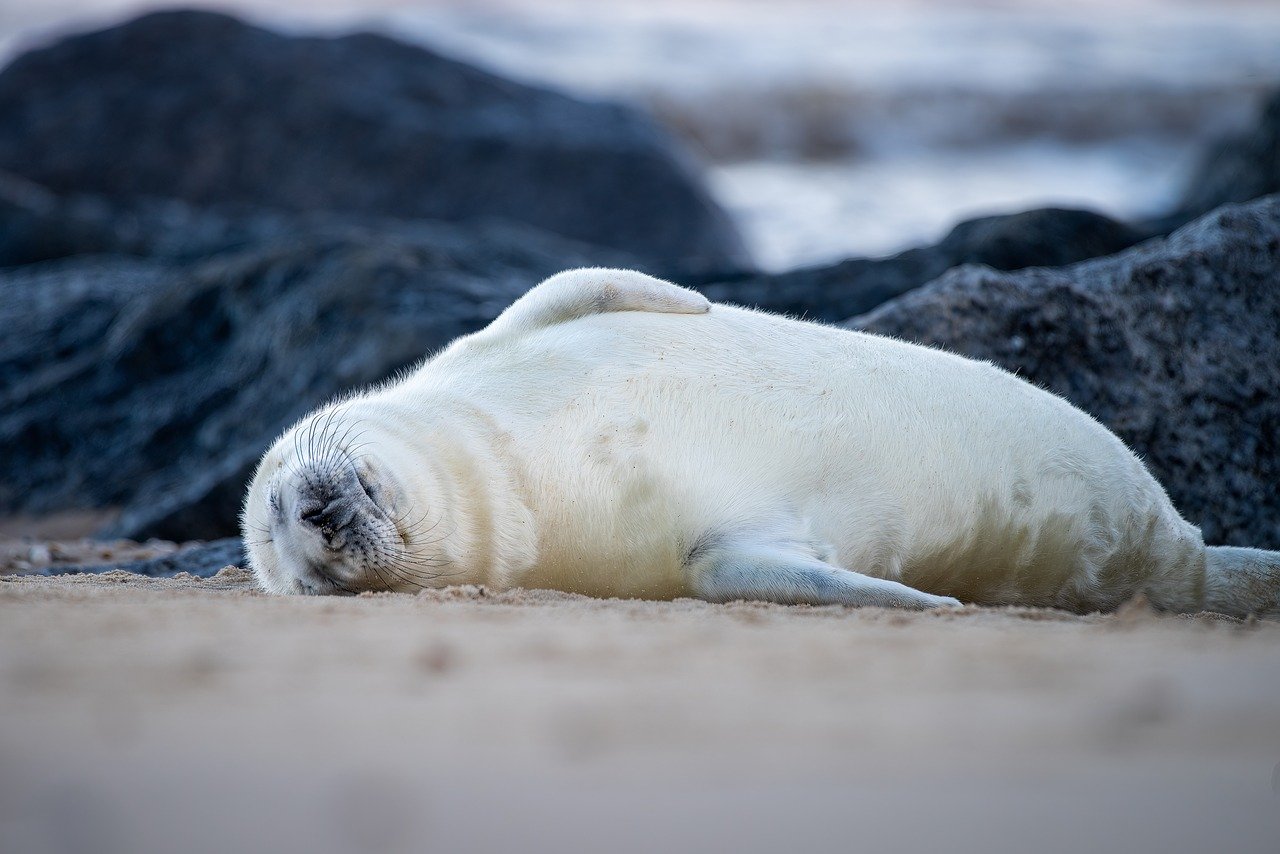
594, 290
581, 446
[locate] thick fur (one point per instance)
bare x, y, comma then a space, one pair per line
609, 435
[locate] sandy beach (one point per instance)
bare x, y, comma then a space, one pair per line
200, 715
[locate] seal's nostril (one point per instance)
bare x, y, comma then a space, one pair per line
316, 516
329, 520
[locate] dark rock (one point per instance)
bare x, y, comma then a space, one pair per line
154, 385
1043, 237
1174, 344
202, 107
203, 560
1236, 169
38, 225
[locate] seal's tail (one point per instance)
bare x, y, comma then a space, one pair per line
1242, 581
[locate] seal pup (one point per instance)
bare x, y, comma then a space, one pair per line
613, 434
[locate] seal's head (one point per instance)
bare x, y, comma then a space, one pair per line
332, 509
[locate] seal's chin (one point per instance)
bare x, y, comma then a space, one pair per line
319, 583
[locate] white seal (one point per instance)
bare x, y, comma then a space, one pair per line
616, 435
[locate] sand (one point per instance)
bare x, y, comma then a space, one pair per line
143, 715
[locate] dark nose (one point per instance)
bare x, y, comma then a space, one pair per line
327, 517
319, 515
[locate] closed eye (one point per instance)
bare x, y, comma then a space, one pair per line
371, 490
273, 497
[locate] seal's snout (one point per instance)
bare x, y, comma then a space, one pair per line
330, 503
329, 518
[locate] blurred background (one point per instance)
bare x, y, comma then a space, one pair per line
832, 128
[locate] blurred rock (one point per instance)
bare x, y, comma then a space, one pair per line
39, 225
36, 224
203, 560
1174, 344
202, 107
154, 384
1043, 237
1237, 169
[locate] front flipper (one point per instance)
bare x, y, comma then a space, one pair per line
594, 290
782, 572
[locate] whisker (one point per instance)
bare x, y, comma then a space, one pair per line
326, 444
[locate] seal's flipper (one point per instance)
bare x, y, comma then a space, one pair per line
728, 570
1242, 581
594, 290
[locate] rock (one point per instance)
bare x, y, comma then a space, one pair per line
1173, 344
1237, 169
1043, 237
39, 225
154, 385
202, 107
35, 225
203, 560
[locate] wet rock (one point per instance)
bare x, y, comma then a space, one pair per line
1174, 344
202, 107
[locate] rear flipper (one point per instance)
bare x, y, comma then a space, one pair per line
782, 572
1240, 581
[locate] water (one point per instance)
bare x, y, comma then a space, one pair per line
836, 128
800, 212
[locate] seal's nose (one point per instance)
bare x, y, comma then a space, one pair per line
319, 515
327, 517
